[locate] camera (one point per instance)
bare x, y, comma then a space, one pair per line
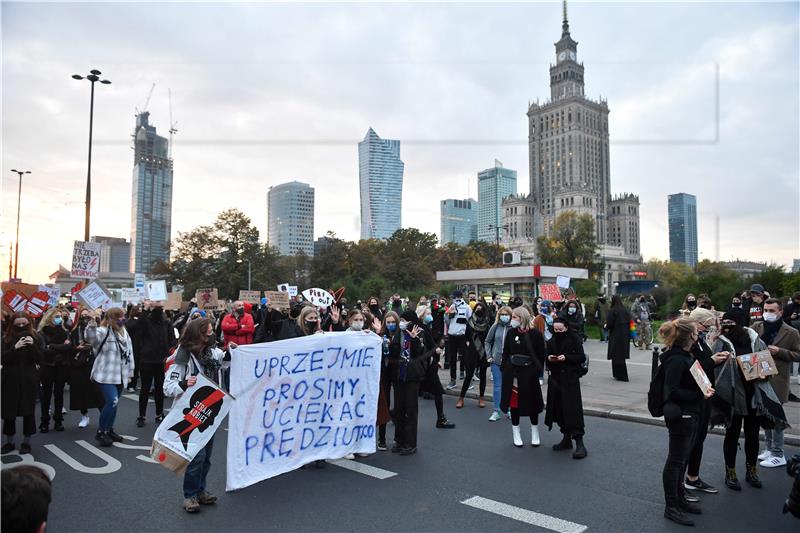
792, 504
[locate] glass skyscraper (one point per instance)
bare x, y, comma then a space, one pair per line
494, 184
151, 209
290, 218
380, 178
459, 221
682, 212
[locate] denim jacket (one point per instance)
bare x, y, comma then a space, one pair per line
494, 342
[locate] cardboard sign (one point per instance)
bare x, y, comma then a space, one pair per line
22, 297
549, 291
700, 377
86, 259
190, 424
156, 290
562, 282
95, 296
253, 297
207, 299
277, 299
757, 365
321, 405
174, 301
319, 297
131, 295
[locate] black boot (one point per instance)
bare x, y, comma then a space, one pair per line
114, 437
44, 427
677, 516
443, 423
103, 439
58, 426
731, 480
752, 476
565, 444
580, 450
688, 507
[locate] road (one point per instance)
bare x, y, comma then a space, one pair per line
616, 489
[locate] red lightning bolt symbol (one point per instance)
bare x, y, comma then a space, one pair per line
212, 398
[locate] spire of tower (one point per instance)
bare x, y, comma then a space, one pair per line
565, 23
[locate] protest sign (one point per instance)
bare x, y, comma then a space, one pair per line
700, 377
277, 299
757, 365
319, 297
86, 259
549, 291
190, 424
95, 296
138, 284
292, 290
53, 294
207, 299
23, 297
174, 301
283, 287
253, 297
131, 295
562, 282
301, 400
156, 290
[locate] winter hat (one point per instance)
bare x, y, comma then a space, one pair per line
757, 287
737, 317
410, 316
196, 310
702, 316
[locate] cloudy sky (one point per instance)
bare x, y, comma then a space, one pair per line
265, 93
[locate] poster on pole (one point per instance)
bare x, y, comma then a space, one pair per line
253, 297
156, 290
95, 296
283, 287
190, 424
550, 291
319, 297
138, 284
277, 299
301, 400
86, 259
207, 299
174, 301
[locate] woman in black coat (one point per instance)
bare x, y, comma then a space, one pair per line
477, 328
432, 384
54, 369
524, 353
83, 392
21, 352
407, 367
619, 338
565, 356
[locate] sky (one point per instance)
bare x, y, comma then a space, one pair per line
703, 100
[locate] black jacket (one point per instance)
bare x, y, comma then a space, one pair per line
418, 364
564, 402
679, 385
19, 377
55, 351
155, 337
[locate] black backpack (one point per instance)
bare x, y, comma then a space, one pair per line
655, 396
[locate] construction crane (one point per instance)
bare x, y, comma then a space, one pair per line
173, 129
146, 102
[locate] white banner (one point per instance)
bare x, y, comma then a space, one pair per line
301, 400
190, 424
319, 297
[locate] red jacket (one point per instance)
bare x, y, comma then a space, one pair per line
238, 330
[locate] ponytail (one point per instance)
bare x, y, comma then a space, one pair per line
678, 333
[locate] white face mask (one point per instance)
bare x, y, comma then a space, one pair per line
357, 325
515, 323
403, 325
572, 310
771, 317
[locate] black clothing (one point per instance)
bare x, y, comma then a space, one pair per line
417, 364
681, 436
431, 383
731, 442
406, 410
680, 388
619, 341
150, 373
475, 359
702, 353
28, 426
20, 378
84, 394
54, 372
529, 392
155, 336
575, 322
564, 402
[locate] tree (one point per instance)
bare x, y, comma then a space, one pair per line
408, 252
772, 279
571, 243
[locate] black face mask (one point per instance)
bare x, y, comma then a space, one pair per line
727, 330
311, 325
736, 304
20, 329
479, 312
560, 334
691, 304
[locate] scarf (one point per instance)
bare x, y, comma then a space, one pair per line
210, 365
771, 331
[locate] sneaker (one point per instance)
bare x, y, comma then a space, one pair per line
206, 498
700, 485
159, 418
7, 448
691, 498
140, 422
350, 456
24, 448
773, 461
677, 516
541, 382
495, 416
191, 505
44, 427
103, 439
84, 421
114, 437
444, 423
131, 389
382, 445
766, 454
63, 410
471, 386
451, 385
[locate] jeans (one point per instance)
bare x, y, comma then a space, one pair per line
681, 436
108, 414
194, 480
151, 372
497, 385
774, 441
603, 334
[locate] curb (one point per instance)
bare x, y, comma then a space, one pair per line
631, 416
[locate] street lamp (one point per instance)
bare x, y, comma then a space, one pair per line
19, 201
497, 228
93, 77
249, 271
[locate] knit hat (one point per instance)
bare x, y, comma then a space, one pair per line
196, 310
410, 316
737, 317
757, 287
702, 316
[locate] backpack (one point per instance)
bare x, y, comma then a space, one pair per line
655, 395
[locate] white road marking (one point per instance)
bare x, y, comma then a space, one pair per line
111, 464
523, 515
361, 468
145, 458
135, 398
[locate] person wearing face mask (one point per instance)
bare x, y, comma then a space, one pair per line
544, 320
112, 368
565, 356
83, 392
524, 353
407, 366
155, 340
456, 329
640, 312
22, 351
783, 343
431, 383
387, 332
477, 328
689, 303
572, 315
375, 308
601, 316
238, 327
619, 338
494, 356
53, 371
754, 306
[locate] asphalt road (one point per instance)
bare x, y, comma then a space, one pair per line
616, 489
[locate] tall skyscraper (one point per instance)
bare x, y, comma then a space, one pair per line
494, 184
115, 254
623, 223
151, 209
459, 221
682, 213
290, 213
380, 178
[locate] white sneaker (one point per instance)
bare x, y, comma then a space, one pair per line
84, 421
495, 416
766, 454
64, 410
350, 456
541, 381
535, 435
517, 436
773, 461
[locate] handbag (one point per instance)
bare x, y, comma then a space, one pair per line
521, 360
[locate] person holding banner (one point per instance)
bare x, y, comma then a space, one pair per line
112, 367
196, 354
407, 366
387, 332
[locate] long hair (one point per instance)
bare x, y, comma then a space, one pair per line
396, 317
11, 334
194, 336
678, 333
47, 319
616, 302
504, 309
77, 322
525, 320
301, 319
112, 318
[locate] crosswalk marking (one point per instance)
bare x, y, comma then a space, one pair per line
361, 468
523, 515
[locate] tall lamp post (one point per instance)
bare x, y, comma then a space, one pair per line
497, 228
93, 77
249, 271
19, 202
